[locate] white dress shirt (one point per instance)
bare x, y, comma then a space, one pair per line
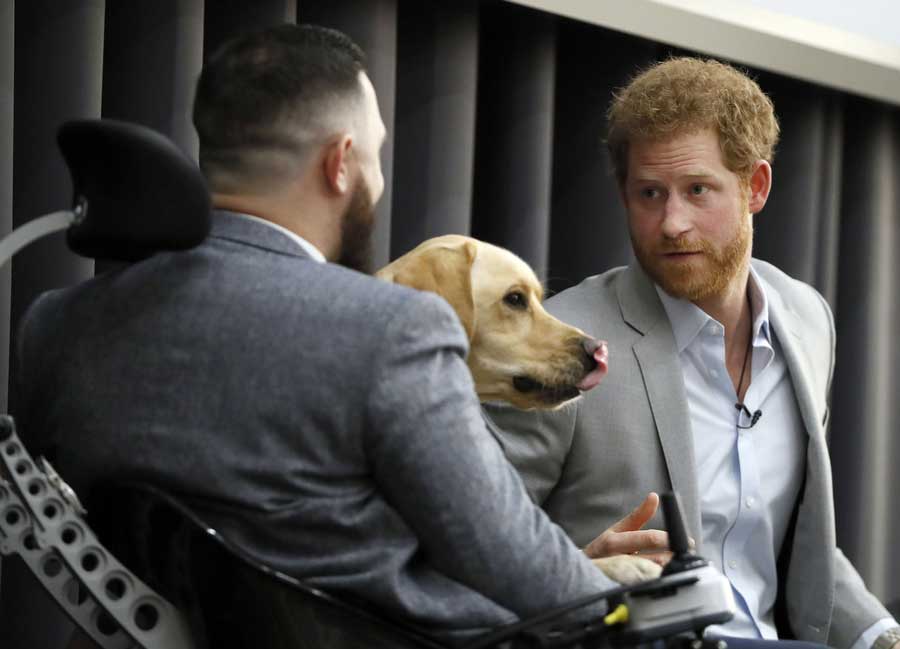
749, 478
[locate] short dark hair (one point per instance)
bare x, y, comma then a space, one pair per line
271, 92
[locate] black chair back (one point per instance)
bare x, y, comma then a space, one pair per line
231, 600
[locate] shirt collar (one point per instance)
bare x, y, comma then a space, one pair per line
688, 320
310, 249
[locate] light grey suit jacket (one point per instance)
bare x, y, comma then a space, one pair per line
591, 462
322, 419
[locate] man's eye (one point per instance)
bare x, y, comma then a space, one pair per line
649, 192
515, 299
699, 190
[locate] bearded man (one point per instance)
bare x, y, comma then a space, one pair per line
720, 371
321, 419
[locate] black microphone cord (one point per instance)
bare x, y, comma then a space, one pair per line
739, 405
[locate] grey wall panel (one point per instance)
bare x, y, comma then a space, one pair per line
373, 25
152, 57
514, 143
437, 66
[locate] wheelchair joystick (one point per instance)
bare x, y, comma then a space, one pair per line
682, 557
689, 596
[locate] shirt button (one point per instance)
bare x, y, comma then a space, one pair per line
732, 564
750, 503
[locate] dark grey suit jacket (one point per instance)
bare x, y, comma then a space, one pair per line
590, 463
322, 419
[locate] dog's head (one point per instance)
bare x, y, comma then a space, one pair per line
519, 353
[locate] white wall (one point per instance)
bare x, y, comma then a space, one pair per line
851, 45
878, 20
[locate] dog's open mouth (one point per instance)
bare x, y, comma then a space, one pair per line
545, 393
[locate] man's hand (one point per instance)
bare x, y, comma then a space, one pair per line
627, 537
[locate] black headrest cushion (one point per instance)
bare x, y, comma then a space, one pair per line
138, 192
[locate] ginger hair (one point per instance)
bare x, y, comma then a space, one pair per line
686, 95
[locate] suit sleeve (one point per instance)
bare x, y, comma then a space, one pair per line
535, 442
855, 608
438, 465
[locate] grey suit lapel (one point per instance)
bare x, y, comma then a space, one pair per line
787, 330
810, 579
661, 370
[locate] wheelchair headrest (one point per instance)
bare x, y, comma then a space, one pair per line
137, 193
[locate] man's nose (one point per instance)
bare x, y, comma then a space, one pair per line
676, 217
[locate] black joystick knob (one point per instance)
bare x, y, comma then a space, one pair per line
683, 558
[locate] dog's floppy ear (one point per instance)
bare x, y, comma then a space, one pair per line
445, 270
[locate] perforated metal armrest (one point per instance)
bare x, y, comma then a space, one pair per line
42, 522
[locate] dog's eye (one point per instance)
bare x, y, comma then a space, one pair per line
516, 299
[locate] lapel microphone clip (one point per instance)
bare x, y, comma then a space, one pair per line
754, 416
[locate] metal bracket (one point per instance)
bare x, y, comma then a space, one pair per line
42, 521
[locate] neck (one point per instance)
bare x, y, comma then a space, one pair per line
730, 307
733, 310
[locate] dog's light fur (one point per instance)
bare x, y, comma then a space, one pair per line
506, 340
479, 281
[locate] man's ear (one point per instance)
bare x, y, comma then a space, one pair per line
760, 185
334, 164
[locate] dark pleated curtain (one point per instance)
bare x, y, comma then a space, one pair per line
865, 442
514, 131
7, 77
496, 116
165, 36
434, 123
58, 75
373, 24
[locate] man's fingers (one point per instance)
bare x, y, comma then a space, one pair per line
639, 541
659, 558
639, 516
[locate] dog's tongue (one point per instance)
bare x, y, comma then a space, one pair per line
601, 355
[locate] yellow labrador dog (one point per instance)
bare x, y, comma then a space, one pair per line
518, 353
